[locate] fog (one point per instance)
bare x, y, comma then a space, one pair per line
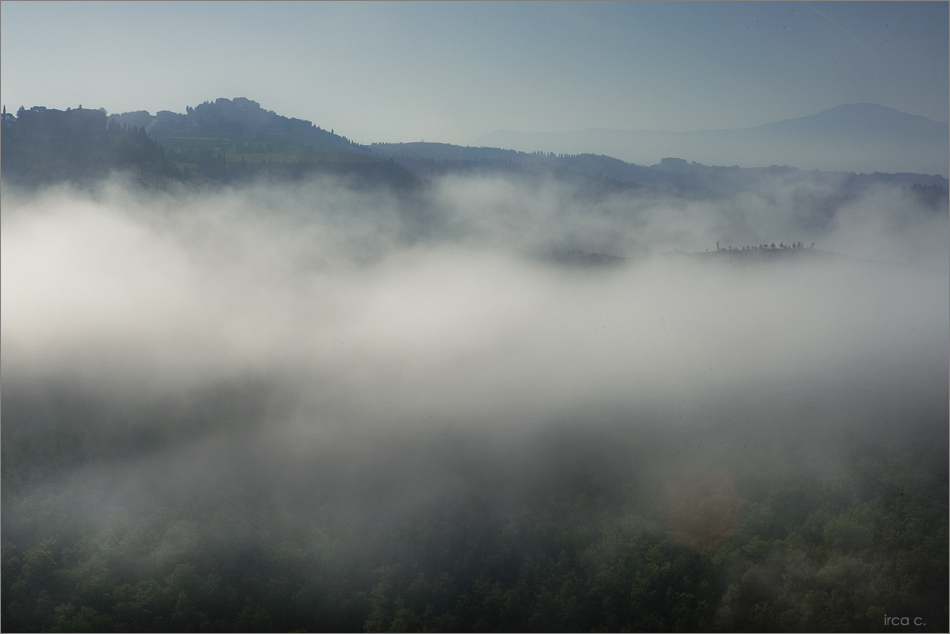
295, 344
172, 291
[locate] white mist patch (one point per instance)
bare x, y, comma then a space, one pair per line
887, 226
82, 283
146, 293
505, 341
127, 295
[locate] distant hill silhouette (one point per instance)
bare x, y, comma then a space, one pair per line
236, 118
223, 141
853, 138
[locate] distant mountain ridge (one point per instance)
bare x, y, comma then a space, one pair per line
857, 118
855, 138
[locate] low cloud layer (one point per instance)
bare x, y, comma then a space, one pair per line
368, 328
327, 280
356, 394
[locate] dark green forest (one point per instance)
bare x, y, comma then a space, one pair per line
625, 526
43, 146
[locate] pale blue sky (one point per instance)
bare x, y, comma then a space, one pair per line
455, 71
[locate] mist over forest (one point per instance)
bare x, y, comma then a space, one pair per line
462, 394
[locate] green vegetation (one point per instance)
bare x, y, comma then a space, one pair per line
605, 531
42, 147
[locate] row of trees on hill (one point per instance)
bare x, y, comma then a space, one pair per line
933, 195
42, 146
794, 246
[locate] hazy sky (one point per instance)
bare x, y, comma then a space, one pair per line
457, 70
